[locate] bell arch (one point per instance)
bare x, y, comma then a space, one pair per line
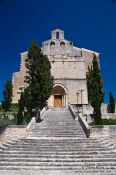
62, 47
52, 48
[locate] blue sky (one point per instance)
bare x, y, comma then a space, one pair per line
89, 24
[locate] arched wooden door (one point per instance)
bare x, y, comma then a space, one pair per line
59, 96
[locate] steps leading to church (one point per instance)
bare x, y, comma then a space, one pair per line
58, 144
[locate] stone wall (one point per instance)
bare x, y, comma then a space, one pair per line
104, 108
68, 69
87, 55
103, 131
109, 115
18, 85
12, 132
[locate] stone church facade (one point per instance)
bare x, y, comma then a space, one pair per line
69, 65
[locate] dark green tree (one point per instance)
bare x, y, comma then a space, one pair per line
95, 88
89, 83
111, 105
7, 96
23, 106
39, 79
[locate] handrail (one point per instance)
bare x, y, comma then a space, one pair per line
31, 123
84, 125
81, 120
72, 111
35, 119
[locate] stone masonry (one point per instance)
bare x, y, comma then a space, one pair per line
69, 65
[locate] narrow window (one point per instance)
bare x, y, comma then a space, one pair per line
57, 35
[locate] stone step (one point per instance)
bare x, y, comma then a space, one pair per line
59, 143
42, 171
48, 152
60, 164
61, 146
54, 145
10, 155
79, 168
64, 140
60, 160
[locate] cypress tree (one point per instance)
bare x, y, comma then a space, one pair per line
89, 83
95, 89
111, 103
7, 96
39, 79
24, 106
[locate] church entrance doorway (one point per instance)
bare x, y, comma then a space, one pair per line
59, 96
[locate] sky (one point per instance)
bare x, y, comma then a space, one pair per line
90, 24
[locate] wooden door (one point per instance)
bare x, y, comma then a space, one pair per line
58, 101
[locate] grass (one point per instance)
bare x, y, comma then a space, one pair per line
5, 116
6, 121
13, 109
8, 113
105, 122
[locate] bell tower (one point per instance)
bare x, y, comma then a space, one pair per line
57, 34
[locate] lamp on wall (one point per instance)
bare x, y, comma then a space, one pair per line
81, 91
77, 97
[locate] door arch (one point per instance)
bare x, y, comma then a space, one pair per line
59, 94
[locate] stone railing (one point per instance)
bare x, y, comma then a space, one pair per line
39, 116
31, 123
43, 111
84, 125
72, 111
81, 120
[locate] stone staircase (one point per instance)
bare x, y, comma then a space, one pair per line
58, 146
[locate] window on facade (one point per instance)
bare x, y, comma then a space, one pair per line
52, 44
20, 88
18, 92
62, 43
57, 35
52, 48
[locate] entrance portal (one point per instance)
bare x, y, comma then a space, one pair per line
59, 96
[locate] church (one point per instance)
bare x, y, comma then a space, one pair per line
69, 65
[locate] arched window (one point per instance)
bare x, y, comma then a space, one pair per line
52, 44
52, 48
62, 43
62, 47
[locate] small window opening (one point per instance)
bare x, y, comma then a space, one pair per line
62, 44
57, 35
52, 44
